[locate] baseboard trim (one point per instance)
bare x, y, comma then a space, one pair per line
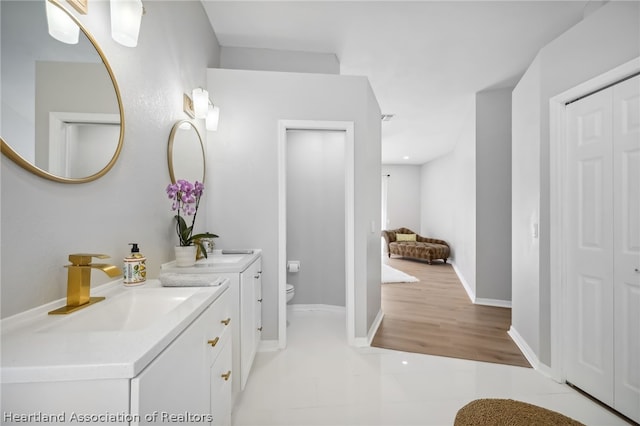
493, 302
316, 307
268, 346
472, 295
362, 342
529, 354
465, 284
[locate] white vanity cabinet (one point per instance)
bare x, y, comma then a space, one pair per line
250, 317
244, 273
190, 381
109, 365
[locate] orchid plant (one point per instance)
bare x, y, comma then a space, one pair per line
186, 199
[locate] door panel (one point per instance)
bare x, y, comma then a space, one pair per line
626, 176
589, 273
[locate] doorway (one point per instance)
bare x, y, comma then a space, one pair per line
294, 127
315, 217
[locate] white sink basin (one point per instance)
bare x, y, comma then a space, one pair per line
133, 309
115, 338
220, 259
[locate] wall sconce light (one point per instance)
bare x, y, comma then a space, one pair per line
200, 102
61, 26
213, 116
126, 16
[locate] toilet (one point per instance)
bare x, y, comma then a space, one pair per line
290, 292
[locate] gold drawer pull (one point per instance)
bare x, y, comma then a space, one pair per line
260, 328
226, 375
213, 342
226, 322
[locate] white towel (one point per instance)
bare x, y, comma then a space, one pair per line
172, 279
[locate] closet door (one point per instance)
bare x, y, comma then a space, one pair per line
626, 180
589, 247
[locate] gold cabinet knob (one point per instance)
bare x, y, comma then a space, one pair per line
226, 375
226, 321
213, 342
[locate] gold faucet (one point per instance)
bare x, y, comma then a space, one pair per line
79, 281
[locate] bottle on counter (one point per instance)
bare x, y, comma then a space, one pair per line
135, 268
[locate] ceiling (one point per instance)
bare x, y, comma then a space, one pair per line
425, 60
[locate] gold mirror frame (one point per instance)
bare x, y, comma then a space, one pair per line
171, 147
19, 160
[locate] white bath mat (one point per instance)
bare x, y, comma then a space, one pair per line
392, 275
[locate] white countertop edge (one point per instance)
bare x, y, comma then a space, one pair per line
93, 367
240, 266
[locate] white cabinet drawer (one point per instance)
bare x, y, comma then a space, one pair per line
218, 324
222, 377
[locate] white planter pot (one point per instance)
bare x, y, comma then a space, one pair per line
185, 255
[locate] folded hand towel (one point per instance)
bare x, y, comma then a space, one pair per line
170, 279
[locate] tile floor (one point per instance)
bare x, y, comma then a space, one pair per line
319, 380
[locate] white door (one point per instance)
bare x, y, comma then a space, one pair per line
589, 273
626, 180
603, 246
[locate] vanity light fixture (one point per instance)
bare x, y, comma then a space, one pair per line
200, 99
193, 108
61, 26
126, 16
213, 116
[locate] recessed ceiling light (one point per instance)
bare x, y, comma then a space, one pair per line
386, 117
406, 157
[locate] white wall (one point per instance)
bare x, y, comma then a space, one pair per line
245, 58
466, 199
525, 206
403, 196
449, 201
606, 39
43, 221
316, 215
243, 170
493, 195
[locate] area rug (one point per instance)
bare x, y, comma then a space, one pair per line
503, 412
392, 275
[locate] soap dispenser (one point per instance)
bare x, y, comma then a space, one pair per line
135, 268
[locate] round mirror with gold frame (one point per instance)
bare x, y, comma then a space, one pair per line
61, 116
185, 153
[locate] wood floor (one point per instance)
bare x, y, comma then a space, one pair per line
435, 316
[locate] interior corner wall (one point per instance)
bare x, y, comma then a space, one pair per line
43, 221
448, 201
525, 205
371, 160
403, 196
246, 58
242, 168
493, 195
607, 38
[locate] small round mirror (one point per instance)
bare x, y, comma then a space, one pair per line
185, 153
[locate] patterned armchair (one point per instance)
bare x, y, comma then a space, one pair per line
418, 247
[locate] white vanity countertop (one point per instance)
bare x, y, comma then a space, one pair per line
37, 347
216, 263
